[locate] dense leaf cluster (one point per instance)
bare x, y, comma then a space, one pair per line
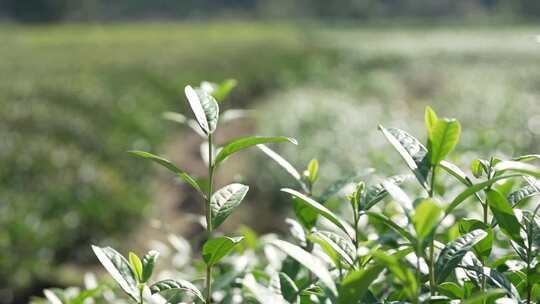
400, 239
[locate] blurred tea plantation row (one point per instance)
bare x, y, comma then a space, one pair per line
75, 98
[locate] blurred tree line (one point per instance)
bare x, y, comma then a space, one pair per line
81, 10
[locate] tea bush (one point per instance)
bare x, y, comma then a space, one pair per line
414, 237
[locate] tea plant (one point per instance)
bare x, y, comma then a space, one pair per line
361, 239
133, 276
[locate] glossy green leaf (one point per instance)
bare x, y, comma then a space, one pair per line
339, 249
246, 142
204, 107
288, 288
320, 209
215, 249
483, 248
523, 193
167, 286
119, 269
488, 296
460, 198
385, 220
261, 293
451, 290
223, 89
527, 157
136, 266
356, 284
425, 217
412, 151
430, 119
456, 172
504, 214
313, 170
340, 184
148, 262
167, 164
515, 166
309, 261
454, 251
281, 161
225, 200
376, 193
55, 296
443, 138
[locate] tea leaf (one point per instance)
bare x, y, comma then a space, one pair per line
281, 161
136, 265
504, 214
225, 200
260, 292
516, 166
313, 170
487, 296
378, 216
483, 248
175, 285
523, 193
223, 89
148, 262
55, 296
215, 249
309, 261
289, 290
246, 142
453, 253
430, 119
456, 172
412, 151
443, 138
204, 107
472, 190
355, 285
167, 164
322, 210
119, 269
376, 193
337, 247
425, 217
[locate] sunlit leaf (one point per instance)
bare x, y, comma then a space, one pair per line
355, 285
215, 249
504, 214
167, 164
225, 200
425, 217
443, 138
375, 193
454, 251
483, 247
412, 151
119, 269
320, 209
309, 261
281, 161
175, 286
204, 107
136, 265
246, 142
148, 262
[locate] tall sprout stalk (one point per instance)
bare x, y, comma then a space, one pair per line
209, 214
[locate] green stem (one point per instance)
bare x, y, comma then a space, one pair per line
209, 214
141, 292
432, 282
